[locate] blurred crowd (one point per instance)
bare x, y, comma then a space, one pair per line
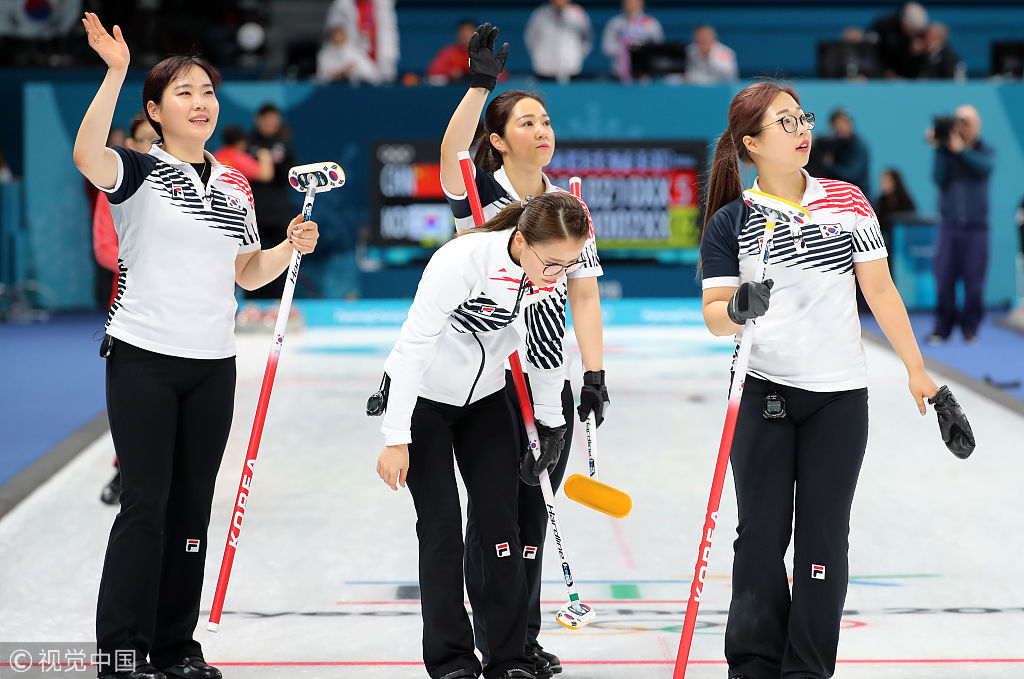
358, 41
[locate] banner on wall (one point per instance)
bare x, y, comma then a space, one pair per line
643, 195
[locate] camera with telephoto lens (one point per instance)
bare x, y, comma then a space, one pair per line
942, 127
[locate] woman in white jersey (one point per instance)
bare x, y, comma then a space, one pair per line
446, 393
803, 419
517, 143
187, 234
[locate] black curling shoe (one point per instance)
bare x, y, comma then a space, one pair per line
554, 664
140, 672
460, 674
517, 673
193, 667
543, 667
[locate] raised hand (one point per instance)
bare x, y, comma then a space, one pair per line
111, 48
484, 64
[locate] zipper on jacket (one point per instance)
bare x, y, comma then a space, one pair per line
483, 356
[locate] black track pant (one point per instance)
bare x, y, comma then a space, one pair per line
483, 437
533, 527
169, 418
818, 449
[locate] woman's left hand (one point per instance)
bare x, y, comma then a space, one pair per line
303, 235
921, 387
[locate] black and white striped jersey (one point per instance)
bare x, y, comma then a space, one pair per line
810, 338
465, 320
545, 351
177, 244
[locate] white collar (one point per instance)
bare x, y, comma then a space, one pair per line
502, 178
159, 153
813, 190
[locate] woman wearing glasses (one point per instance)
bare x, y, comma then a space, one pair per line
517, 143
803, 420
447, 377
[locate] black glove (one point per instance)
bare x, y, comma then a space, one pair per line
953, 425
593, 396
551, 440
484, 65
750, 301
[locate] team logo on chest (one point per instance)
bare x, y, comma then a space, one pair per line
233, 203
830, 230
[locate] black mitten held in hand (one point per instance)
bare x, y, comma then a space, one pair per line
749, 301
484, 65
551, 441
593, 396
953, 425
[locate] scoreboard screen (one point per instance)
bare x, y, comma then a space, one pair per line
642, 195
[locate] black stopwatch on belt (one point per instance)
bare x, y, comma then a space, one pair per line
378, 401
774, 406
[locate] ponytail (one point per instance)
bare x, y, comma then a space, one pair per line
548, 217
487, 158
724, 182
745, 112
507, 219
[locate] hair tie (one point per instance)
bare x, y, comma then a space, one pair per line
524, 201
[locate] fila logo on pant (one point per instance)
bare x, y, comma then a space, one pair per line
191, 545
529, 552
817, 572
502, 549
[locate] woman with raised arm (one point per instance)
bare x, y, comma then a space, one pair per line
803, 418
446, 393
187, 234
517, 144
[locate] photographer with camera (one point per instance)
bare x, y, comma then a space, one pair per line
842, 156
963, 163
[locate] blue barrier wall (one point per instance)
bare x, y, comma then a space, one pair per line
339, 123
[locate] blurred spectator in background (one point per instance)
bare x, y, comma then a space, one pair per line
372, 26
892, 204
273, 196
99, 208
935, 58
6, 176
632, 27
852, 35
342, 59
844, 155
963, 164
859, 57
258, 168
1019, 218
116, 137
452, 61
900, 39
709, 61
141, 136
558, 38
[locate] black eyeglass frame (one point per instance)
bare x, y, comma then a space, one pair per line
807, 118
555, 269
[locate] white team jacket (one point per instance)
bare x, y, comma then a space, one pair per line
465, 320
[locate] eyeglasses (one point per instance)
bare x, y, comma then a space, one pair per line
555, 269
790, 122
